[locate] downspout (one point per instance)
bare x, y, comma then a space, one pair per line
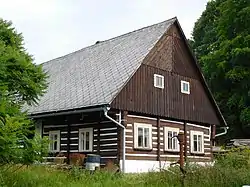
223, 133
124, 137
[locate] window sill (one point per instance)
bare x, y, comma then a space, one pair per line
197, 153
143, 149
171, 151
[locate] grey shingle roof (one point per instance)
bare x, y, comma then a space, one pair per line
94, 75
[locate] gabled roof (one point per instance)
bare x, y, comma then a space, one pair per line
94, 75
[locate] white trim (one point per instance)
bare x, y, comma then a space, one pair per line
142, 117
107, 139
171, 156
49, 126
170, 121
155, 81
174, 140
146, 155
199, 126
82, 147
198, 133
51, 148
129, 125
73, 132
107, 150
110, 144
64, 132
106, 129
129, 130
182, 87
64, 139
63, 144
73, 144
143, 126
107, 134
109, 157
129, 141
76, 138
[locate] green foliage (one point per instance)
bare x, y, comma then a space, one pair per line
21, 82
221, 41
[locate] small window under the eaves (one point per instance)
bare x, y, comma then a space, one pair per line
158, 81
185, 87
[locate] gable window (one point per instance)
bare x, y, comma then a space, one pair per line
142, 136
185, 87
54, 138
197, 141
158, 81
170, 139
86, 139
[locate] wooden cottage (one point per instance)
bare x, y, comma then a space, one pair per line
145, 84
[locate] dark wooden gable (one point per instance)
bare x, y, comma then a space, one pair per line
171, 58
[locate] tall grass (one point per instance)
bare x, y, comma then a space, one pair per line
228, 171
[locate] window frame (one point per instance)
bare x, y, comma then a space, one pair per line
81, 147
155, 82
172, 129
58, 133
143, 126
197, 133
182, 87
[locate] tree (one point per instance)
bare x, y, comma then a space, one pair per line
221, 42
21, 83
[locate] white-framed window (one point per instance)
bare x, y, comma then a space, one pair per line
197, 141
54, 141
158, 81
142, 136
170, 139
185, 87
86, 140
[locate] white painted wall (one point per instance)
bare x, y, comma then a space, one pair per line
142, 166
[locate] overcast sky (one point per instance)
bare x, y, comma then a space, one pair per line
52, 28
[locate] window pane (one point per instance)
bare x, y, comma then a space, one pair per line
82, 139
55, 137
199, 143
140, 137
170, 140
175, 141
195, 143
146, 137
55, 145
87, 141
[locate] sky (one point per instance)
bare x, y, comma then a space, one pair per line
53, 28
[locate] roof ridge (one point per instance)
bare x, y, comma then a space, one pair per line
122, 35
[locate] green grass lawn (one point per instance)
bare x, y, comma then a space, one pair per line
41, 176
231, 170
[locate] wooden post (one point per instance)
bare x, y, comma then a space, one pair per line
181, 139
68, 140
185, 141
158, 141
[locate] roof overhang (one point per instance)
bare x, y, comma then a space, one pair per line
69, 112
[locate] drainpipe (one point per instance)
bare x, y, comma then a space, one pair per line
124, 137
223, 133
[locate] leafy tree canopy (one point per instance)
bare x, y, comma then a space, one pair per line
20, 79
221, 41
21, 82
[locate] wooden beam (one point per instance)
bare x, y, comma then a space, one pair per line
185, 141
158, 140
68, 140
